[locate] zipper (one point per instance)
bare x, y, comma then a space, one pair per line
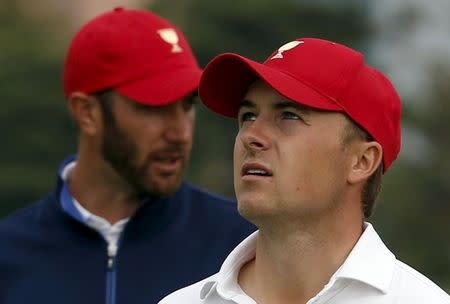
111, 274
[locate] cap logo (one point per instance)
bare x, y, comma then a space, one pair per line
170, 36
286, 47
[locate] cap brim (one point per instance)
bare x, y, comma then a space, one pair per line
162, 88
226, 79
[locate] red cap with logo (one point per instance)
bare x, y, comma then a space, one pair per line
137, 53
316, 73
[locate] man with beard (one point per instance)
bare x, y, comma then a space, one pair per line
317, 129
121, 226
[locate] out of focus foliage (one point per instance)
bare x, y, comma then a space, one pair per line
36, 131
413, 212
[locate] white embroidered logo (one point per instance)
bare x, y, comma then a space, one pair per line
170, 36
286, 47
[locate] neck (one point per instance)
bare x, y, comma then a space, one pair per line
292, 265
101, 191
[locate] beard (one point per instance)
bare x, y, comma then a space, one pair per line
121, 153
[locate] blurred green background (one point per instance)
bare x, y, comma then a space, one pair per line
408, 40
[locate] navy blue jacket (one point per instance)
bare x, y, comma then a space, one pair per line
48, 257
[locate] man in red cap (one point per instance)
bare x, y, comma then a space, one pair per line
121, 226
317, 129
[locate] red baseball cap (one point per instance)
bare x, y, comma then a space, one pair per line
316, 73
137, 53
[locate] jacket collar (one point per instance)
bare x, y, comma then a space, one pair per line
369, 262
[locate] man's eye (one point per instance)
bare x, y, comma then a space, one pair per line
247, 116
290, 115
144, 108
189, 104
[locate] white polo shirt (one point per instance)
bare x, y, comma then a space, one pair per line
370, 275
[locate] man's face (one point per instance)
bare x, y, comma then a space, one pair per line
148, 146
290, 162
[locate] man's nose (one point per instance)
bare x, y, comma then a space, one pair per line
180, 124
254, 137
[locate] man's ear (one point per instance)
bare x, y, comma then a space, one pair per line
366, 160
86, 112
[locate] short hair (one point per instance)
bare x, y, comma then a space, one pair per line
372, 186
104, 99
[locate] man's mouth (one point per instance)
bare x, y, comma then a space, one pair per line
168, 164
255, 169
167, 160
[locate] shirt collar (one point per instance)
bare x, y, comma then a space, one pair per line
71, 206
369, 262
68, 203
225, 281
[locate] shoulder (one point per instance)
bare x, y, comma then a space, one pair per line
25, 217
213, 207
208, 203
205, 196
19, 233
192, 294
416, 287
